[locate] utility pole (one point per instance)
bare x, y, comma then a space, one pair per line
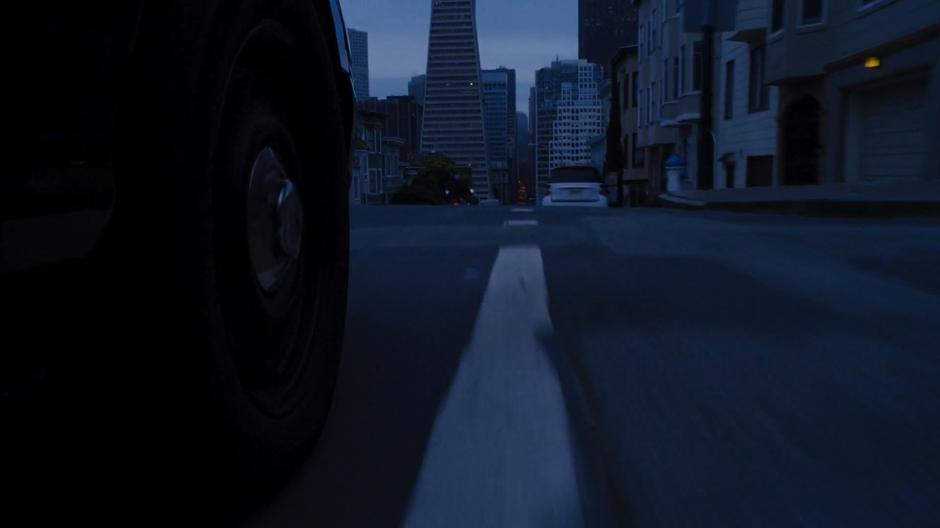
706, 147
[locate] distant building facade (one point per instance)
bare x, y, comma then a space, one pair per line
568, 116
670, 76
499, 105
377, 168
670, 70
359, 49
453, 104
403, 118
416, 87
624, 70
603, 27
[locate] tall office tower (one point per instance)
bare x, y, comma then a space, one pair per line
359, 47
453, 102
533, 112
603, 27
522, 136
416, 88
569, 116
499, 105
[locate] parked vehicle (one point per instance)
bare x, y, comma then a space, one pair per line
575, 186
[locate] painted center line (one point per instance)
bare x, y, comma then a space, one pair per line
520, 223
500, 453
523, 210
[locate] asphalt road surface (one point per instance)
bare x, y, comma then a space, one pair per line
643, 367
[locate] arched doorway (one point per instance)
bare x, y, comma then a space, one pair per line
801, 142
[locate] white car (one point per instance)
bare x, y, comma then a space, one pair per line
575, 187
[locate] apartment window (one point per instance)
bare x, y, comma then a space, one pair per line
811, 12
652, 41
374, 181
639, 114
758, 99
652, 96
729, 89
675, 77
697, 66
665, 80
682, 67
639, 155
634, 82
642, 39
776, 15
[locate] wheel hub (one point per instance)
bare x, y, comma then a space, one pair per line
275, 220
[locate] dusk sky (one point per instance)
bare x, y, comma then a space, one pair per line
521, 34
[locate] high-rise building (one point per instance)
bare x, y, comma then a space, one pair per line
569, 115
522, 136
603, 27
522, 168
359, 48
499, 105
416, 88
453, 104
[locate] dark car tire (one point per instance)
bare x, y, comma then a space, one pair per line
215, 380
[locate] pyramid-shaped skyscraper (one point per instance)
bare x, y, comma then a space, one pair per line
453, 103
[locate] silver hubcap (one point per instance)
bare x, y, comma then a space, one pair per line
275, 220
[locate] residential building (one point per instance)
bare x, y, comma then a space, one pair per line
403, 120
745, 106
376, 163
453, 105
359, 62
392, 175
569, 115
624, 70
669, 86
808, 91
416, 87
603, 27
859, 88
499, 104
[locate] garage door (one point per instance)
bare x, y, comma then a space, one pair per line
893, 131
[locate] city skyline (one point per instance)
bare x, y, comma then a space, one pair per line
524, 35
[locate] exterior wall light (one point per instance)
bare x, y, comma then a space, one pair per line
873, 62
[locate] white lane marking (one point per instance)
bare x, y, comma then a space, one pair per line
520, 223
500, 452
523, 210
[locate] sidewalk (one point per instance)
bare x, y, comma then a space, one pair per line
850, 199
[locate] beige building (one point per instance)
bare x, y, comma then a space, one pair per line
805, 91
746, 105
669, 89
859, 89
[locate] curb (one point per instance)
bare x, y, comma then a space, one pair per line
838, 208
